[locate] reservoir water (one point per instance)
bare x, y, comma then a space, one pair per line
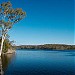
39, 62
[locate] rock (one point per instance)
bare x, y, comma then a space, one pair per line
10, 51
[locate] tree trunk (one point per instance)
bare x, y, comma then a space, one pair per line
2, 45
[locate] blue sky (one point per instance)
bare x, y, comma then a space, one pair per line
47, 22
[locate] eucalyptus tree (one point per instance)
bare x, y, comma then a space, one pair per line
8, 17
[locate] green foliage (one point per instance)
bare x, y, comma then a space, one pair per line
6, 45
10, 15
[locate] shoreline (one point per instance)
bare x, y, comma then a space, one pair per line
9, 52
47, 46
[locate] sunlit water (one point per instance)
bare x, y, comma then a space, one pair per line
39, 62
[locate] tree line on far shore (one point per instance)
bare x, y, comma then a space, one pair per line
47, 46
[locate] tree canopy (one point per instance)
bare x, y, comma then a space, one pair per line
9, 15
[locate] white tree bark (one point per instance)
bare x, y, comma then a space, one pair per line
3, 38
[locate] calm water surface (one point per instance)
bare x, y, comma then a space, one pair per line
40, 62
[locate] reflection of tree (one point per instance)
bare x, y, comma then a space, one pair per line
6, 60
1, 69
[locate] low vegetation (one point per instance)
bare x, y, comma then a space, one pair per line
6, 45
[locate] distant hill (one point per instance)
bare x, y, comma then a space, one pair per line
47, 46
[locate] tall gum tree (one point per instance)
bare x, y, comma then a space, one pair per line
8, 17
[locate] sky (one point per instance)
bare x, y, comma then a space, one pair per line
46, 22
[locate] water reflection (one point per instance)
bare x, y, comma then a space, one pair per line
4, 62
1, 69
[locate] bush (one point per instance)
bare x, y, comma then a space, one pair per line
6, 45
